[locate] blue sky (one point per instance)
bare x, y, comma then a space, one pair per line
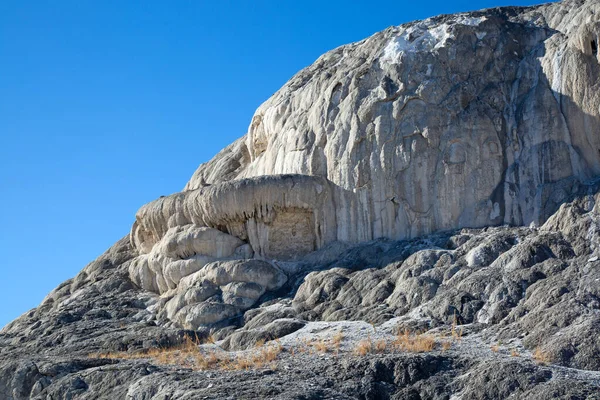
106, 105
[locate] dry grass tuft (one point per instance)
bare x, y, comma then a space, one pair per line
271, 352
446, 345
514, 353
495, 348
541, 357
363, 347
456, 333
337, 339
321, 346
380, 346
305, 346
210, 339
414, 343
207, 361
242, 362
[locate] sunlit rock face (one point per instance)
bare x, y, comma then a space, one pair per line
449, 125
469, 120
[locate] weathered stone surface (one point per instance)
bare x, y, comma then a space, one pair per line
478, 131
399, 124
219, 291
470, 120
248, 338
529, 287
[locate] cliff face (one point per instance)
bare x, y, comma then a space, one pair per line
468, 120
379, 184
457, 121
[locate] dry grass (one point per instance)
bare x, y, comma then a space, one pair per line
260, 357
210, 340
364, 347
380, 346
414, 343
514, 353
404, 341
242, 362
163, 355
271, 352
207, 361
305, 346
189, 355
456, 333
495, 348
338, 338
541, 357
446, 345
321, 346
318, 345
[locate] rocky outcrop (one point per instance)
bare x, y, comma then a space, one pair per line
197, 247
457, 121
471, 120
516, 290
439, 177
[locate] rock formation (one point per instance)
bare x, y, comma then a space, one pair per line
438, 174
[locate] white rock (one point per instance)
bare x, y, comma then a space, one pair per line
469, 120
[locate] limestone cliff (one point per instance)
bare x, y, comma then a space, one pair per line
469, 120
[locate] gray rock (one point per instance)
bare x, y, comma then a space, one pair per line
248, 338
384, 183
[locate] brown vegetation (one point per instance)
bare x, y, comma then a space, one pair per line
364, 347
446, 345
188, 354
541, 357
414, 343
456, 333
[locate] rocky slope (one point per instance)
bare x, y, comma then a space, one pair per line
415, 215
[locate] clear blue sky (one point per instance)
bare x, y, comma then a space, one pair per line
106, 105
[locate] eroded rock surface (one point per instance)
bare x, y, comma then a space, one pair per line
440, 175
517, 289
472, 120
